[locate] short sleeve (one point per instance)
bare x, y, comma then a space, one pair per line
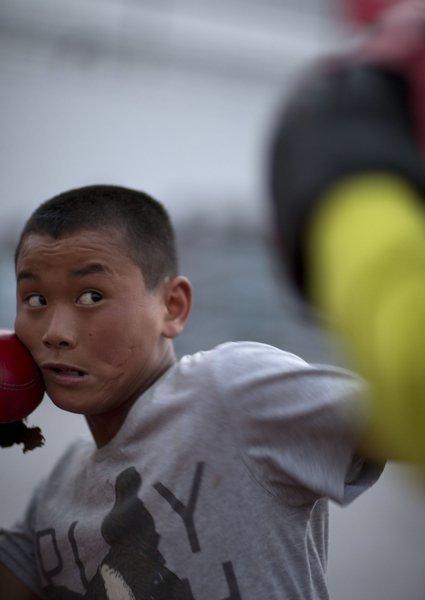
297, 425
17, 547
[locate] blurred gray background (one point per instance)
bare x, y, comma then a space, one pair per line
177, 98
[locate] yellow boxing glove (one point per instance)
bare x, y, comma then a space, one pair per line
366, 257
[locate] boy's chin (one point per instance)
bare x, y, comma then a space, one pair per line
73, 402
79, 402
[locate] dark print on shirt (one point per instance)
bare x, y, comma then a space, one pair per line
134, 568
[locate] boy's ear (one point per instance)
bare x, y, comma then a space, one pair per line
178, 302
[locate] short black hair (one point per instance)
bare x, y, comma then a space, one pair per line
146, 225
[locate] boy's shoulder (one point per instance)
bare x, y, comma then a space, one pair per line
243, 353
231, 363
256, 358
252, 371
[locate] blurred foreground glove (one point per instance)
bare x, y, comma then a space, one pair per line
348, 186
366, 271
361, 112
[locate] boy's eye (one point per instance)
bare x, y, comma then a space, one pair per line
90, 297
36, 300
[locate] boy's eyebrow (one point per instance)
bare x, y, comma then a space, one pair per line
91, 269
26, 274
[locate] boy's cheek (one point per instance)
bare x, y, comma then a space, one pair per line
114, 355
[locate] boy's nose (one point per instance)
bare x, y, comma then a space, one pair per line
52, 342
60, 333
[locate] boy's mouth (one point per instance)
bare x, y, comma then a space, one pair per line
63, 373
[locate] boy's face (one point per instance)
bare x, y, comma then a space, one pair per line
85, 314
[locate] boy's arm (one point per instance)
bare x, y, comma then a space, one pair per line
18, 558
297, 425
12, 588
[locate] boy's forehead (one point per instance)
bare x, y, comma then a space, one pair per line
88, 244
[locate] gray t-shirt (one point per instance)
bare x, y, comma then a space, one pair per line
215, 487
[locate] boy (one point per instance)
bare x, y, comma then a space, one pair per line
208, 477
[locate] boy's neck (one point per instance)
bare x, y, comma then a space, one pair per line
105, 426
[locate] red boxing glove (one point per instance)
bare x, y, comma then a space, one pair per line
366, 11
21, 383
